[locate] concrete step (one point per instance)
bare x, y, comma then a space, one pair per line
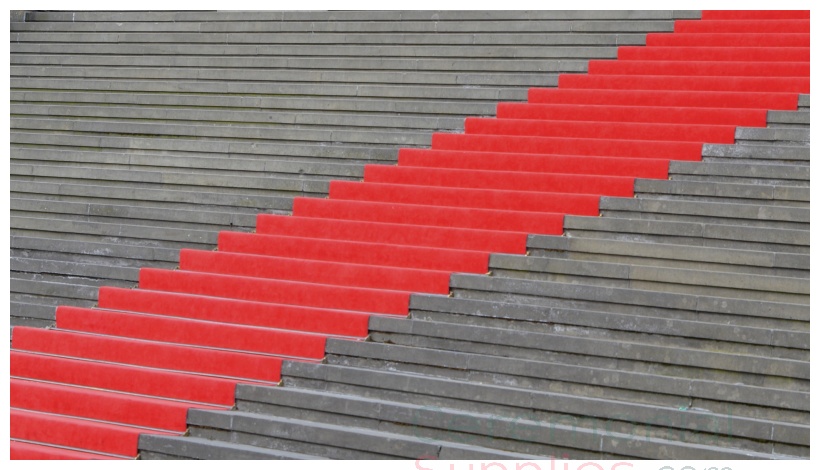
108, 211
684, 331
267, 134
251, 202
758, 152
481, 38
733, 193
733, 237
338, 16
326, 50
315, 388
652, 278
337, 121
83, 183
427, 25
74, 269
330, 440
24, 313
773, 135
637, 253
303, 77
208, 163
144, 235
803, 102
433, 111
155, 447
53, 302
751, 401
740, 172
789, 119
35, 296
315, 153
23, 281
169, 180
66, 248
623, 300
142, 224
717, 213
305, 64
242, 87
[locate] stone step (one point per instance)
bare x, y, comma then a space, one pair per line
305, 121
51, 290
329, 440
108, 211
761, 401
733, 237
155, 447
735, 171
31, 314
319, 386
684, 331
198, 163
339, 16
247, 133
298, 77
23, 284
76, 269
426, 25
122, 253
623, 300
757, 153
284, 151
773, 136
733, 193
697, 258
789, 119
172, 180
53, 302
137, 227
242, 205
326, 50
433, 111
145, 235
306, 64
803, 102
40, 252
717, 213
481, 38
240, 86
652, 278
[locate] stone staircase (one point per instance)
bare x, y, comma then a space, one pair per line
137, 134
660, 317
673, 327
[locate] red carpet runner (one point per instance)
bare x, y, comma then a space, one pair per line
184, 338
